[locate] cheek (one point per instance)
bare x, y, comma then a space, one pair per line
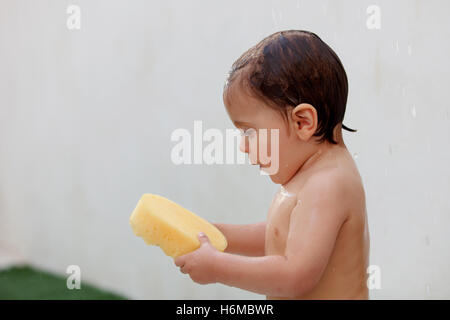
271, 140
278, 145
272, 146
287, 150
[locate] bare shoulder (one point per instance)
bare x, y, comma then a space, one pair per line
326, 183
333, 189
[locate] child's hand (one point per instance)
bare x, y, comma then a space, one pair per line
200, 263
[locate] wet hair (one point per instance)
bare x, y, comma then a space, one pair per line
292, 67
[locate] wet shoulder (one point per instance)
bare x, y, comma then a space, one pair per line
338, 185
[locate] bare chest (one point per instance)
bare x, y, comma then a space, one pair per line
277, 226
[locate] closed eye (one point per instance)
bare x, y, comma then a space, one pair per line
247, 132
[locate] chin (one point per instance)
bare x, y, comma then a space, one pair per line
276, 178
280, 177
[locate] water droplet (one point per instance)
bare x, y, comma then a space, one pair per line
413, 111
390, 149
385, 172
285, 193
355, 155
404, 91
397, 47
298, 4
427, 240
299, 201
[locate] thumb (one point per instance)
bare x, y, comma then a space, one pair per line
203, 238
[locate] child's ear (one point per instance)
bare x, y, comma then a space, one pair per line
304, 118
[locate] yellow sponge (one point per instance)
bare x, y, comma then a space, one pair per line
162, 222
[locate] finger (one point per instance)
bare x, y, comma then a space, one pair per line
179, 261
203, 238
184, 269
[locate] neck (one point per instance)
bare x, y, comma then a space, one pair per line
320, 150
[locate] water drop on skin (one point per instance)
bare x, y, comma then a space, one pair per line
428, 289
355, 155
285, 193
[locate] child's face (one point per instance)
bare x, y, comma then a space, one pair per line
283, 154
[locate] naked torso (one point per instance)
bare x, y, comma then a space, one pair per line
345, 274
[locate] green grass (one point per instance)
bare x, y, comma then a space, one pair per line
27, 283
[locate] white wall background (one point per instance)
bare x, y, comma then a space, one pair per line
86, 117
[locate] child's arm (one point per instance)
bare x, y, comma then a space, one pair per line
248, 239
314, 226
